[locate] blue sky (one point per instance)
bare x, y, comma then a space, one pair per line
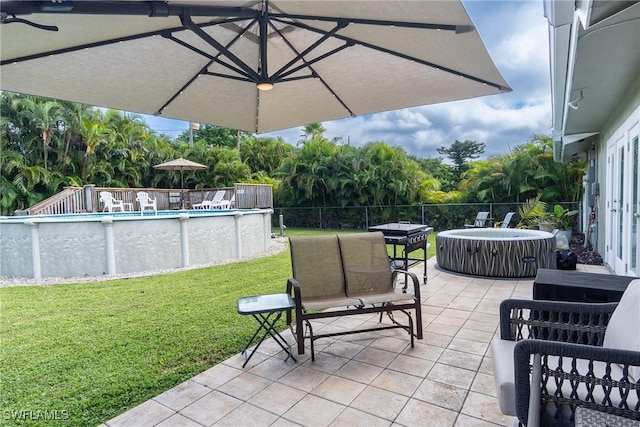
515, 34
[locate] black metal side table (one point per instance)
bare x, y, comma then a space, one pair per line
267, 310
577, 286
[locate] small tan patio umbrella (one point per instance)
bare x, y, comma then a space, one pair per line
180, 164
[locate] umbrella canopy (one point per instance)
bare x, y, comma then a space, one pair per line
180, 164
253, 65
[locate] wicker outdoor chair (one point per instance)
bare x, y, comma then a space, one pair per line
554, 357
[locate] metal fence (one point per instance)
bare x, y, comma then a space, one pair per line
439, 216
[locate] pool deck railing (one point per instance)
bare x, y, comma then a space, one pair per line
86, 199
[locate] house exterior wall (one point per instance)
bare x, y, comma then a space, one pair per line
618, 125
595, 64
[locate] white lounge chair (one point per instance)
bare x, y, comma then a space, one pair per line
208, 195
146, 202
224, 204
110, 203
213, 203
482, 220
507, 219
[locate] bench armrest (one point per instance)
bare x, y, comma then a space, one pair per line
414, 279
293, 289
554, 321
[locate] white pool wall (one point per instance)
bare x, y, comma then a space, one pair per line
93, 245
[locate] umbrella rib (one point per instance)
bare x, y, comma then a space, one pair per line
309, 62
325, 37
225, 76
85, 46
404, 24
126, 8
160, 9
293, 79
315, 74
188, 23
212, 58
403, 56
107, 42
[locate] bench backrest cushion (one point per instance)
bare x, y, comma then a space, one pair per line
623, 331
316, 266
365, 263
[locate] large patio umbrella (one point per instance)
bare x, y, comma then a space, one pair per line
180, 164
253, 65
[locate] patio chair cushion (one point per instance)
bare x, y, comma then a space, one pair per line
366, 264
619, 334
316, 263
502, 354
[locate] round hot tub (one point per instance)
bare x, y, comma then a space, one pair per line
495, 252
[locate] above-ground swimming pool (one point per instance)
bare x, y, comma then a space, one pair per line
119, 243
496, 252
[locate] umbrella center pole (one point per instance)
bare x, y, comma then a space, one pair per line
182, 187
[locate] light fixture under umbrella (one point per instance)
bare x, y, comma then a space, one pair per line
181, 164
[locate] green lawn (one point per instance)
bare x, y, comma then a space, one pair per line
90, 351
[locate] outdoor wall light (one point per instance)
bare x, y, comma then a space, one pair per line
265, 85
575, 104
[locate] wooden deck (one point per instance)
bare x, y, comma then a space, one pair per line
85, 199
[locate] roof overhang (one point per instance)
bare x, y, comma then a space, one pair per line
595, 58
570, 146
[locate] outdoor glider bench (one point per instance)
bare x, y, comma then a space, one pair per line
346, 275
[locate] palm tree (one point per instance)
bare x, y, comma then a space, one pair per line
73, 115
227, 168
264, 154
44, 116
128, 150
94, 134
311, 132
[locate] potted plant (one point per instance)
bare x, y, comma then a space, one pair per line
563, 219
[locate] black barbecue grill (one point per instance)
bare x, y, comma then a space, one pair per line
410, 237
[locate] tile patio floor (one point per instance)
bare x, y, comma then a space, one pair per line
362, 379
